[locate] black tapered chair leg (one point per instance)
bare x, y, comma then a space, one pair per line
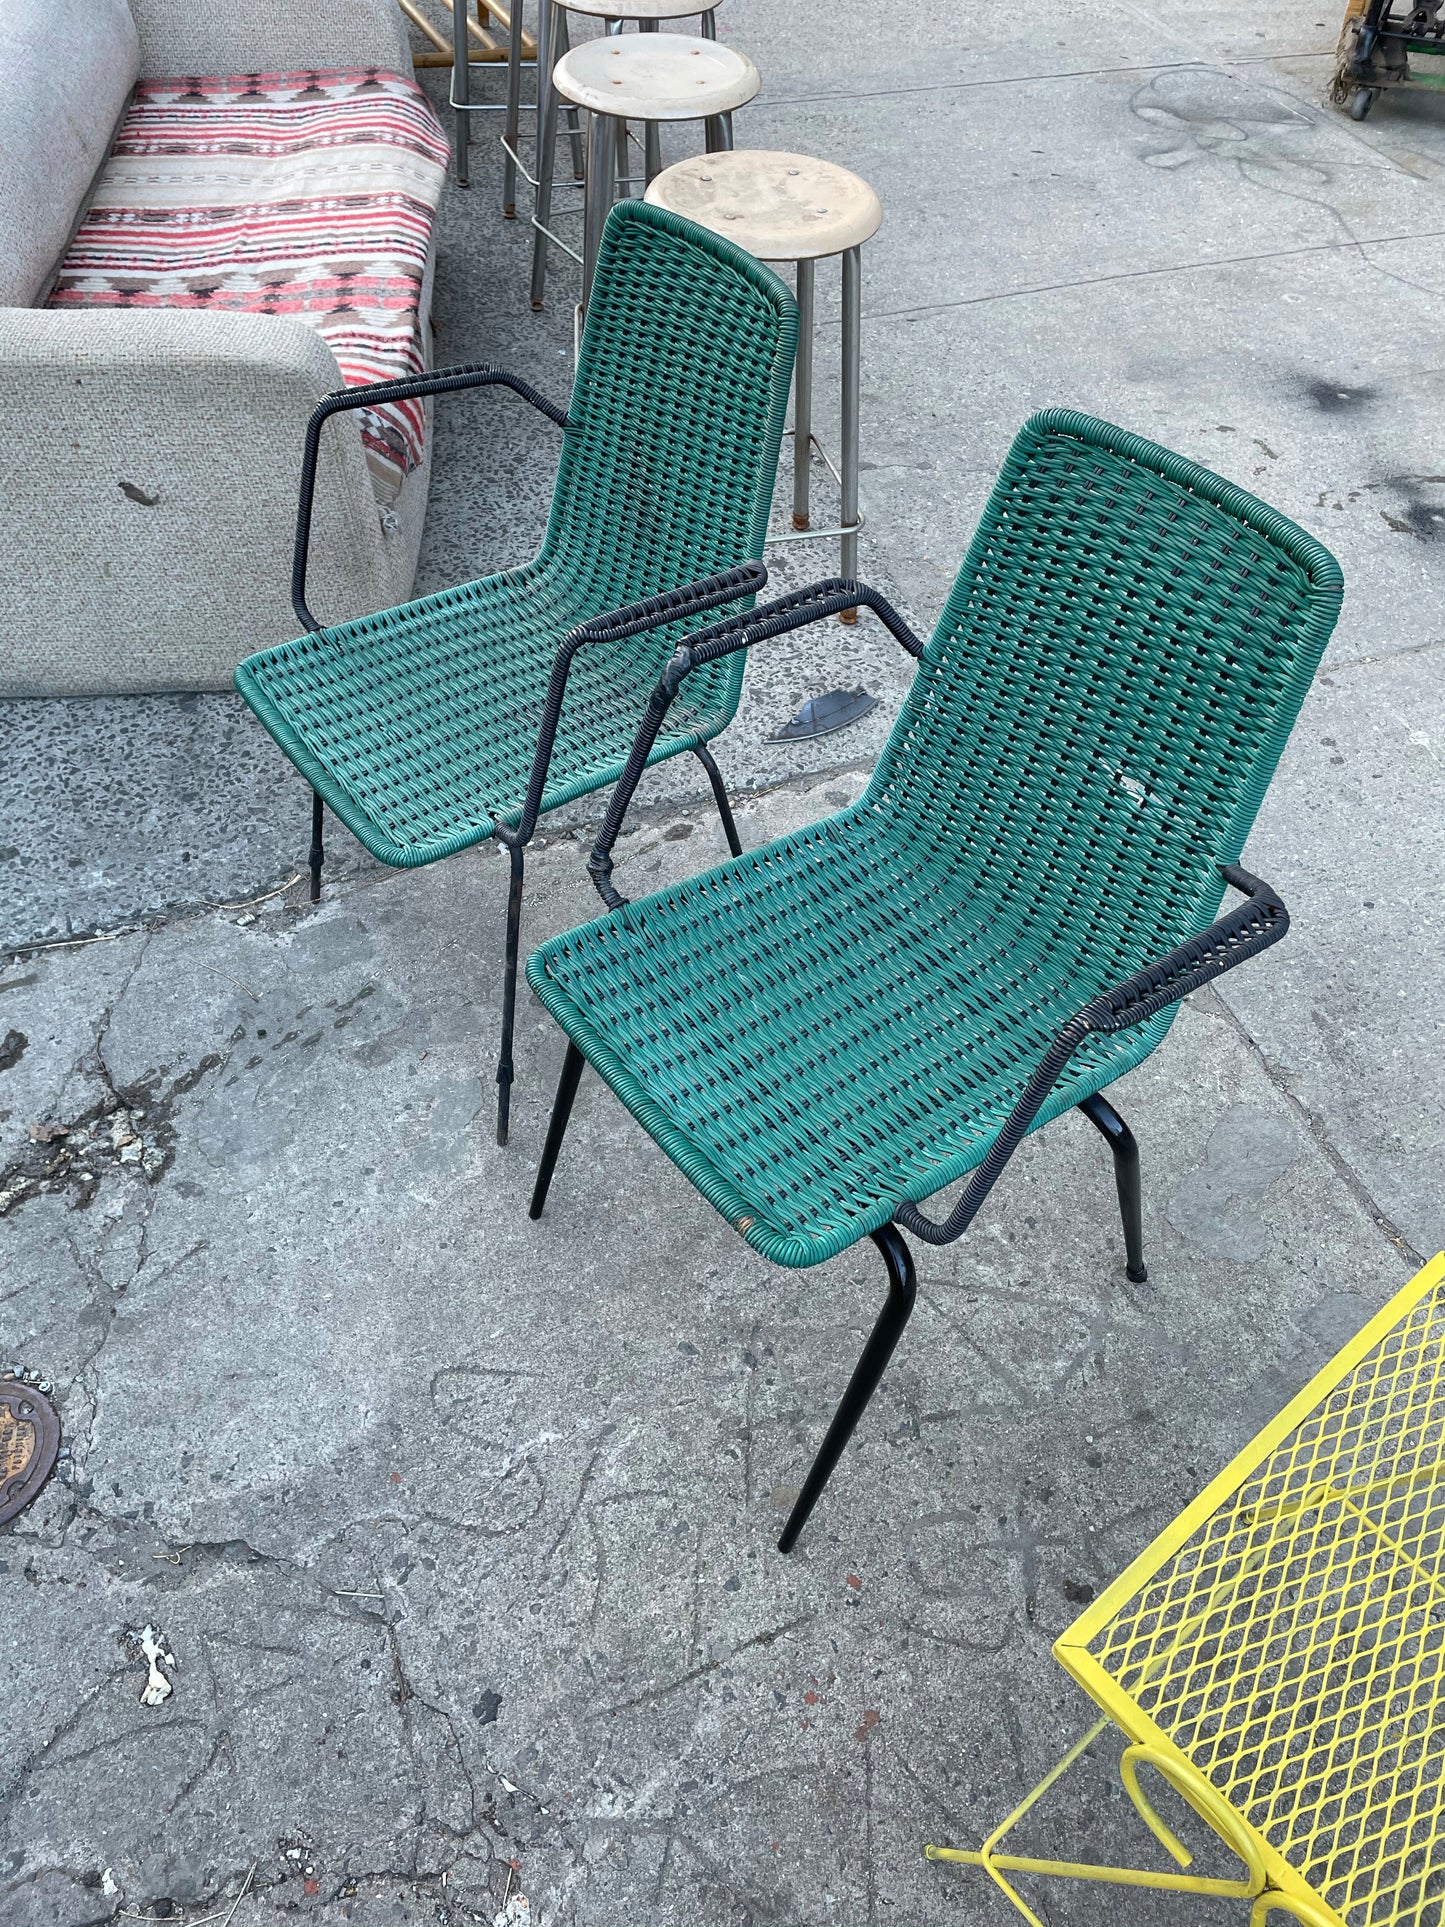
509, 995
902, 1289
720, 797
1102, 1115
561, 1110
318, 853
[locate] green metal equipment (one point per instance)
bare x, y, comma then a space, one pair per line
1387, 44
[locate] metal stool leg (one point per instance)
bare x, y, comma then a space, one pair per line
514, 114
718, 135
563, 38
613, 28
651, 132
461, 89
623, 162
852, 301
546, 148
601, 186
803, 397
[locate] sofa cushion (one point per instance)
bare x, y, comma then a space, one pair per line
309, 195
66, 67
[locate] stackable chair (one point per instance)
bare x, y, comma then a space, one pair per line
471, 712
826, 1031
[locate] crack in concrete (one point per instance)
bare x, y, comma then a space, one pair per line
1147, 274
128, 1129
656, 1693
26, 1769
1385, 655
1033, 80
576, 1507
216, 1900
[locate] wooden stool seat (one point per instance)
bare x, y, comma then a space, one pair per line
780, 207
656, 77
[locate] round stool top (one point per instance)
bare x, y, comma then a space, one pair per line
656, 76
641, 9
780, 207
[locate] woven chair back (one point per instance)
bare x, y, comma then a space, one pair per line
675, 421
1107, 692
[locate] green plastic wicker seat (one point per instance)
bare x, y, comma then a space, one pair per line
466, 714
824, 1032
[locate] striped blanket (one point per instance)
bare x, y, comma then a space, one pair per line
310, 194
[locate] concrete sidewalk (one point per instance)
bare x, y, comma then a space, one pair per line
460, 1529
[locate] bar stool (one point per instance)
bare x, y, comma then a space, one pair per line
792, 207
554, 42
650, 77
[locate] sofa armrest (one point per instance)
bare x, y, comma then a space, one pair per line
269, 36
153, 461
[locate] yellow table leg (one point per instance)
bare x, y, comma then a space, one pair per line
1201, 1796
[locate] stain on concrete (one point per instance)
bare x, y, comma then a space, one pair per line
12, 1049
1338, 397
1203, 115
331, 943
1248, 1151
1417, 517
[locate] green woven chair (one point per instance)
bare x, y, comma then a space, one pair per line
825, 1032
469, 713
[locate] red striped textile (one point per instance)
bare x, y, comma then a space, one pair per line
312, 195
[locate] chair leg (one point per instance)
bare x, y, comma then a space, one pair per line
561, 1110
720, 797
1102, 1115
509, 996
902, 1288
318, 852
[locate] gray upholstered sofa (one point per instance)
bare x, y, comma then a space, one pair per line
153, 405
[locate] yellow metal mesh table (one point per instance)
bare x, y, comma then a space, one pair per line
1278, 1654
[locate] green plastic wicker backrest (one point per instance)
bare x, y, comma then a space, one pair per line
675, 421
1106, 695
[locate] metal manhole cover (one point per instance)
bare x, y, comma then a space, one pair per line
29, 1445
821, 715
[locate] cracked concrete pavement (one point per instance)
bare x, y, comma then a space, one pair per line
458, 1529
